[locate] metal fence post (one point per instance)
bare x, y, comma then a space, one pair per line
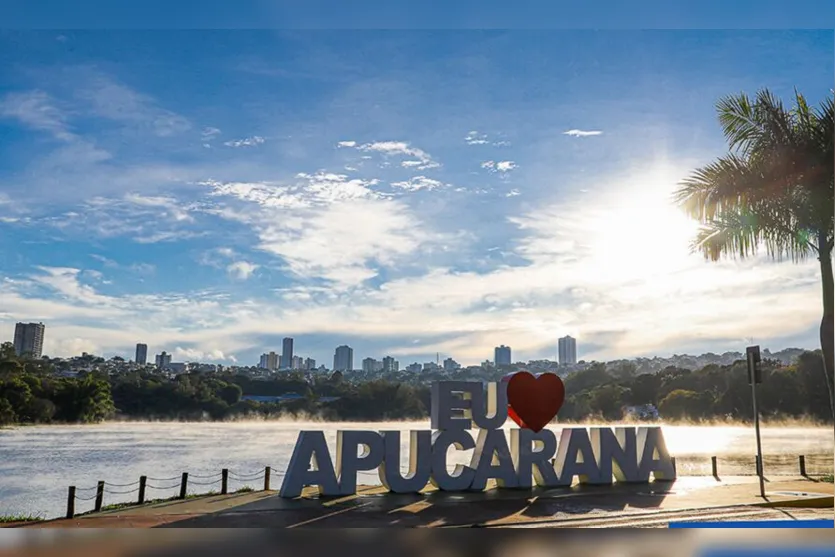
71, 502
184, 485
99, 496
142, 481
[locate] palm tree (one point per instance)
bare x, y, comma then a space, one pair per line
774, 188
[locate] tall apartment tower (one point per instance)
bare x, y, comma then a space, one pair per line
28, 339
390, 364
287, 353
141, 354
502, 355
343, 358
163, 360
567, 350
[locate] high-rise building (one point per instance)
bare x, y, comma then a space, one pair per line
390, 364
163, 360
262, 361
451, 365
567, 350
272, 361
141, 354
368, 364
287, 353
28, 339
297, 363
414, 368
343, 358
502, 355
309, 364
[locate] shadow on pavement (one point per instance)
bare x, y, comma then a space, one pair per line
373, 509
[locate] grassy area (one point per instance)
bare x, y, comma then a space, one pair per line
117, 506
830, 478
9, 518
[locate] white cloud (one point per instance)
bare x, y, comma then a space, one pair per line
139, 268
246, 142
419, 183
209, 133
475, 138
115, 101
347, 144
309, 190
321, 236
181, 354
146, 219
513, 193
582, 133
171, 236
241, 269
499, 166
330, 243
37, 110
170, 205
422, 160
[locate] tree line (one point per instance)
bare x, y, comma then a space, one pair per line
30, 393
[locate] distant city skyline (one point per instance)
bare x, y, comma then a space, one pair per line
566, 346
404, 193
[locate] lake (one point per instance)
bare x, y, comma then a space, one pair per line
37, 464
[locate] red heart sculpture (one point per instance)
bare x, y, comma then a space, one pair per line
534, 401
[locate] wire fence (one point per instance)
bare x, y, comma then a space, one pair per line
685, 465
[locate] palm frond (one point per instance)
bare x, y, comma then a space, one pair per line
739, 234
774, 189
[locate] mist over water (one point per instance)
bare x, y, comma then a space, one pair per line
37, 464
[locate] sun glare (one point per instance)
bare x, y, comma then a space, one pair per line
642, 234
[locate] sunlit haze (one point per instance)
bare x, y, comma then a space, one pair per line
407, 194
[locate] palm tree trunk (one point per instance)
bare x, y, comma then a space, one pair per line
827, 331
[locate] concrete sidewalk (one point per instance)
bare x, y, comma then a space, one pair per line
374, 507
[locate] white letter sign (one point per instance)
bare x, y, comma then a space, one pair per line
599, 455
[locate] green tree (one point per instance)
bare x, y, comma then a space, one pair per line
231, 394
775, 188
7, 413
680, 404
609, 401
7, 352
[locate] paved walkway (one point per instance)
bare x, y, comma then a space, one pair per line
374, 507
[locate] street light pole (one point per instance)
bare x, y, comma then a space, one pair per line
754, 377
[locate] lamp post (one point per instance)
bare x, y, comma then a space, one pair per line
754, 377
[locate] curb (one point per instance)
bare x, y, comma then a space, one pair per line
823, 502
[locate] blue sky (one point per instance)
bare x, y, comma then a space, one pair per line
407, 193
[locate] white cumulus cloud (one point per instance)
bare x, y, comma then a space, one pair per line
241, 269
420, 160
499, 166
582, 133
246, 142
418, 183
